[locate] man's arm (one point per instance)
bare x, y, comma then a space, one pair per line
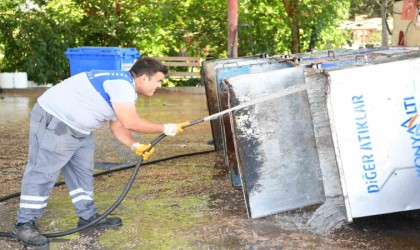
122, 134
129, 119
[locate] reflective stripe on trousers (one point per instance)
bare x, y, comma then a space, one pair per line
53, 146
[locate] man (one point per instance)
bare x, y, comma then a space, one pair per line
61, 139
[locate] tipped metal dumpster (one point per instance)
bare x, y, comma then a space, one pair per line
287, 149
216, 71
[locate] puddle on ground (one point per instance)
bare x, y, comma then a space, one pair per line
186, 203
15, 106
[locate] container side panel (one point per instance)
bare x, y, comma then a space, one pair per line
374, 110
275, 144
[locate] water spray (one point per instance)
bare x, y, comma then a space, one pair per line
284, 92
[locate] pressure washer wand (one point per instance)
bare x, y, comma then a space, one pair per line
281, 93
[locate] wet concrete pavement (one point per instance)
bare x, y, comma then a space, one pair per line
186, 203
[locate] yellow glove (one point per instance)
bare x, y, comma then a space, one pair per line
140, 149
173, 129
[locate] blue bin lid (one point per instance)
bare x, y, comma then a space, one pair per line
130, 52
94, 50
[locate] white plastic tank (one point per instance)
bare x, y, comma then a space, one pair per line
6, 80
20, 80
31, 84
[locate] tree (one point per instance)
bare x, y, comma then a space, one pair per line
384, 6
31, 42
295, 25
34, 38
364, 7
309, 20
374, 8
294, 13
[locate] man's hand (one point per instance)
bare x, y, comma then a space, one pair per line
140, 149
173, 129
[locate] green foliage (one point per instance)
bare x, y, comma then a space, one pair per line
35, 39
268, 28
32, 43
172, 27
315, 21
370, 8
319, 24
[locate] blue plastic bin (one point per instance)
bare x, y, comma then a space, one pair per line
130, 56
94, 58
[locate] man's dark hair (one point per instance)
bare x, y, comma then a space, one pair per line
148, 66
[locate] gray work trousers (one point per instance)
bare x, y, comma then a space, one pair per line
54, 146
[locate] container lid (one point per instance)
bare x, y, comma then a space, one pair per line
94, 50
131, 51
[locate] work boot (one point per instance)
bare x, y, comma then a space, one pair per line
29, 235
104, 223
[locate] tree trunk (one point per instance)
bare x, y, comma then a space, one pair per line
384, 5
291, 8
313, 39
117, 8
295, 36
